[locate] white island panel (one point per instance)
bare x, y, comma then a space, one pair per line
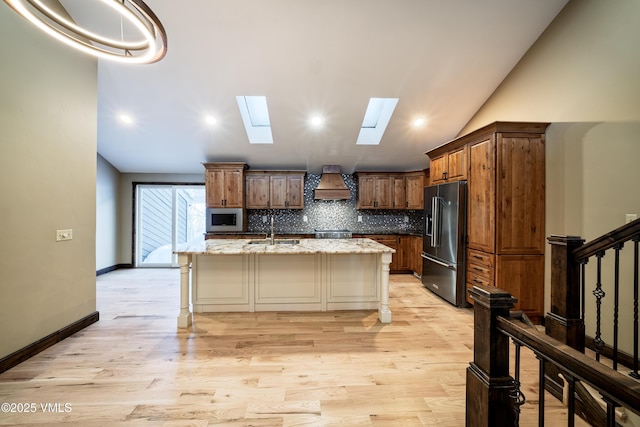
354, 278
221, 282
287, 279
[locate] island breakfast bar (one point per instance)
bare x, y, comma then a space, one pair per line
242, 275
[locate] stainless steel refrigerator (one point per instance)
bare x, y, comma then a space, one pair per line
443, 253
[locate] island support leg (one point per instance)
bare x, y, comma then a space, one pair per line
185, 317
384, 314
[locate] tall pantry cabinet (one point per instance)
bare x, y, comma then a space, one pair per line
505, 209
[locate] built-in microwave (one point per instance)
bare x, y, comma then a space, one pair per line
224, 219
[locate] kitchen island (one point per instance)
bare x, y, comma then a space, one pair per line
243, 275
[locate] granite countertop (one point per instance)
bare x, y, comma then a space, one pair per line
311, 233
305, 246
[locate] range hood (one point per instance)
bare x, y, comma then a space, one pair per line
332, 186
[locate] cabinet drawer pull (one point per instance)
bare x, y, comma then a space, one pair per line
478, 269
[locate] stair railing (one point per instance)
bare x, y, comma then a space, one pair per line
494, 397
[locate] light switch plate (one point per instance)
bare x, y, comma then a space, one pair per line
62, 235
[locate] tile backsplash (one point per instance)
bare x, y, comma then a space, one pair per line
334, 214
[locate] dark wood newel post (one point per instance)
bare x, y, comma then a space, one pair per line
489, 385
564, 322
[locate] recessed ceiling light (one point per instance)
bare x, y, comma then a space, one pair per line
211, 120
125, 118
418, 122
316, 121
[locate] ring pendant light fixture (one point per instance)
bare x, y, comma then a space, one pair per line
152, 47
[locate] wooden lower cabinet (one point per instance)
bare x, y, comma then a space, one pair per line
408, 255
520, 275
416, 255
480, 270
404, 253
523, 277
390, 241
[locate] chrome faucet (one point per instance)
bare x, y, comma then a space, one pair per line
272, 236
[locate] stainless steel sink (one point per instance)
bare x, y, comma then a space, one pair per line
276, 242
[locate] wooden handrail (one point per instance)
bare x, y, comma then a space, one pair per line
614, 385
607, 241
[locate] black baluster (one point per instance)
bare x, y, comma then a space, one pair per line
583, 285
517, 395
599, 294
571, 408
541, 392
616, 303
611, 411
635, 374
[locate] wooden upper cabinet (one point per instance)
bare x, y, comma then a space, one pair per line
366, 192
399, 192
287, 192
414, 190
457, 164
224, 185
391, 190
438, 169
375, 191
384, 192
520, 181
450, 166
481, 196
257, 191
276, 190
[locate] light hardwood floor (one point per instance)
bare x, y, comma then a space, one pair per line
134, 367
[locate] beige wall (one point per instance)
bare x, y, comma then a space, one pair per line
107, 202
584, 68
582, 76
48, 119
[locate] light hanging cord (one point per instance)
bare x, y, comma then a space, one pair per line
151, 48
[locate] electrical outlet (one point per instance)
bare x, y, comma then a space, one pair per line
264, 218
62, 235
406, 218
630, 218
304, 218
359, 218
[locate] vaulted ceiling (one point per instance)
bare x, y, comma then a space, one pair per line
441, 59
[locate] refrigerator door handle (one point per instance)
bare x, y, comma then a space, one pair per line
435, 231
444, 264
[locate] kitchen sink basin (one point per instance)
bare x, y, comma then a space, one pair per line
276, 242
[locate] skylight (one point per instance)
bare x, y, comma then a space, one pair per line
255, 116
376, 119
